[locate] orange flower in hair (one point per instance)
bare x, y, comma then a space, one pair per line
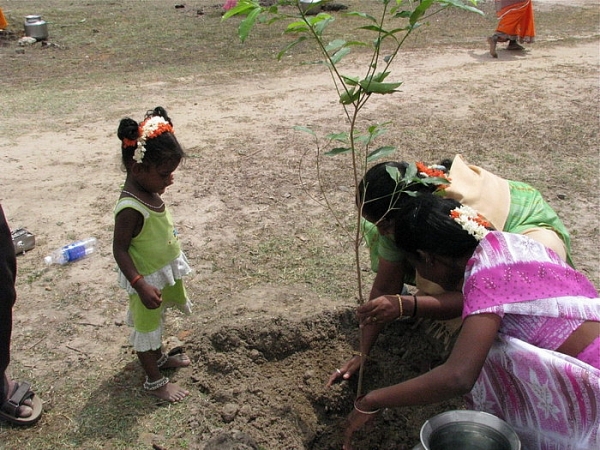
150, 128
432, 172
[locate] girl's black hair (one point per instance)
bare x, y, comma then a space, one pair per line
423, 223
380, 195
161, 149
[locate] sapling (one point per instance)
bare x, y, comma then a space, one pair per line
396, 22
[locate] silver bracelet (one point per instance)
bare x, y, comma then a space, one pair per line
154, 385
364, 412
162, 360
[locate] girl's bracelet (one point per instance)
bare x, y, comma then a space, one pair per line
137, 278
400, 310
364, 412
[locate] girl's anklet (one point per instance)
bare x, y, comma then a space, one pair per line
162, 360
154, 385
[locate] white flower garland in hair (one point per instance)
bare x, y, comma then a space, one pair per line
150, 128
471, 221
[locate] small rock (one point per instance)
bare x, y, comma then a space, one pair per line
229, 412
26, 40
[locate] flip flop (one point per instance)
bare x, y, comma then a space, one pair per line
176, 351
10, 408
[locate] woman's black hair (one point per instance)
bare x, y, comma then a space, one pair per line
423, 223
159, 150
380, 194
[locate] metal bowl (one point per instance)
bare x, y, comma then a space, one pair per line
310, 7
468, 430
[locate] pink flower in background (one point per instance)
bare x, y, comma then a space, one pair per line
229, 4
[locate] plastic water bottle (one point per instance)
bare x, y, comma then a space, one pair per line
72, 252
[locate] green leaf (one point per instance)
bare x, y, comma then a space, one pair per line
350, 96
420, 11
434, 180
363, 15
335, 45
248, 23
320, 22
378, 29
339, 55
341, 137
338, 151
411, 172
394, 173
373, 87
460, 5
380, 153
297, 27
304, 130
289, 46
241, 8
380, 76
350, 81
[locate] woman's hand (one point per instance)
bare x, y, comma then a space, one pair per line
381, 310
344, 372
150, 296
357, 419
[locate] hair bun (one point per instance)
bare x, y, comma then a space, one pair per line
128, 129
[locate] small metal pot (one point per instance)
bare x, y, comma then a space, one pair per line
310, 7
467, 430
36, 28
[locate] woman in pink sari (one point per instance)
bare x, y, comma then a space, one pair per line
529, 347
515, 22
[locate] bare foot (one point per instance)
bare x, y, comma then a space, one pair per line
170, 392
178, 360
492, 41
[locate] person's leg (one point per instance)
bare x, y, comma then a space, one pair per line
514, 45
8, 272
156, 384
8, 296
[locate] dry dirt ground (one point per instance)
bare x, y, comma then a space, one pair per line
273, 282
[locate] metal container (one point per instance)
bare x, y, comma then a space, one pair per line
23, 240
36, 28
467, 430
310, 7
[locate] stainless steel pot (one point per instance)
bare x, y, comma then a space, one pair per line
36, 28
467, 430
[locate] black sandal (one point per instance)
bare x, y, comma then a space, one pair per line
9, 411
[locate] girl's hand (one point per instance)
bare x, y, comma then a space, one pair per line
344, 372
150, 296
380, 310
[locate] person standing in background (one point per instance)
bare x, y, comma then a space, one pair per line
18, 403
515, 22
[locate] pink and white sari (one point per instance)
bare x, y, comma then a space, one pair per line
550, 399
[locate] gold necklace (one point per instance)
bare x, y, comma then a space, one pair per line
142, 201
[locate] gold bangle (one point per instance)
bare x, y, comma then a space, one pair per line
400, 310
375, 411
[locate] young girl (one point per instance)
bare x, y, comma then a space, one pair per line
146, 246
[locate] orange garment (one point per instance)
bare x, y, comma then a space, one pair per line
515, 20
3, 22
